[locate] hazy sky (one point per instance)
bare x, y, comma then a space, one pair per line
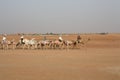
61, 16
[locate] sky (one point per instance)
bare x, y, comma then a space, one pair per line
59, 16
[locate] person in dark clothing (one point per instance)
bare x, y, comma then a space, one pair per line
79, 38
22, 37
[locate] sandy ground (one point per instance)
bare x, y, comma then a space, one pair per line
98, 60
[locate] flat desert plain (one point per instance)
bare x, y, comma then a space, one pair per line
98, 59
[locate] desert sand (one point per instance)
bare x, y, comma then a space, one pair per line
99, 59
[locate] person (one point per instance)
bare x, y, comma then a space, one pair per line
44, 38
4, 38
79, 38
21, 38
60, 39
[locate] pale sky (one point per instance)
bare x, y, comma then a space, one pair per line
59, 16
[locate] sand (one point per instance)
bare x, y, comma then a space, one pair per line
99, 59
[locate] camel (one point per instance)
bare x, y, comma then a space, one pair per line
29, 44
6, 44
44, 44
